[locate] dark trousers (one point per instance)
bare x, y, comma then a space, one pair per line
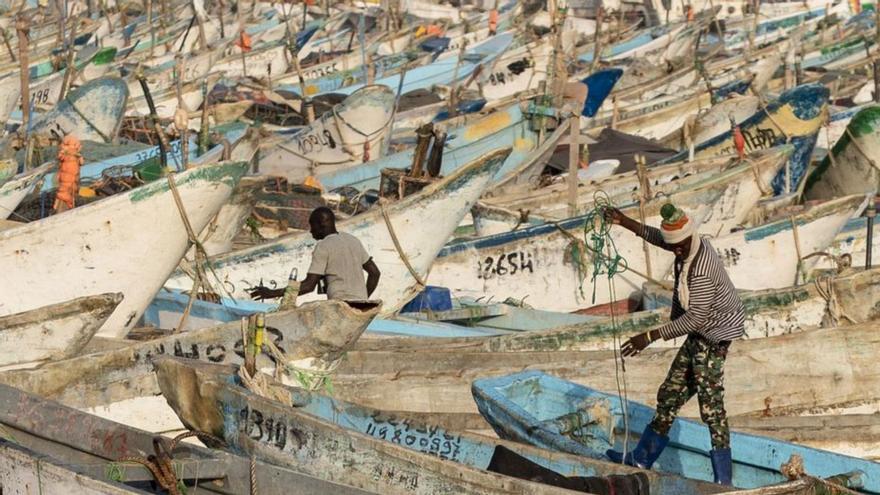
698, 368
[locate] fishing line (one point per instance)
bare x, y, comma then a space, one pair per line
606, 260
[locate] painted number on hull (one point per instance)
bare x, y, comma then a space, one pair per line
431, 440
729, 256
505, 264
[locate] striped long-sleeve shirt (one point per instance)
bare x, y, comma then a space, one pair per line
715, 310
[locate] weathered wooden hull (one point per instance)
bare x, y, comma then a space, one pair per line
552, 202
355, 130
421, 224
538, 259
849, 434
95, 443
54, 332
824, 368
13, 191
478, 135
795, 116
120, 383
851, 166
442, 72
467, 449
92, 112
319, 448
768, 313
531, 407
21, 470
77, 252
745, 253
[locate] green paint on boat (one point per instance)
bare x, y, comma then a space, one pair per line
105, 56
865, 122
226, 173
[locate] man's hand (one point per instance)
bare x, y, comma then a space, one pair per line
636, 344
261, 292
613, 215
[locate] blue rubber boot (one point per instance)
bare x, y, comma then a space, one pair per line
646, 452
722, 465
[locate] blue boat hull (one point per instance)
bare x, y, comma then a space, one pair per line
526, 407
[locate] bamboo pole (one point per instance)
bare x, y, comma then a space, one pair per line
22, 28
573, 157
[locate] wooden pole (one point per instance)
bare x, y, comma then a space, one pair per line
70, 70
8, 46
597, 39
204, 129
203, 41
152, 28
220, 18
573, 158
876, 62
644, 194
22, 27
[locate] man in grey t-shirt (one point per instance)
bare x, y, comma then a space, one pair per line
339, 258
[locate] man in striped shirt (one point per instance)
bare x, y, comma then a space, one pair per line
706, 308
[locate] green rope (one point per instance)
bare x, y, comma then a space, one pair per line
605, 258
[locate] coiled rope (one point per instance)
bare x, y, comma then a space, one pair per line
606, 260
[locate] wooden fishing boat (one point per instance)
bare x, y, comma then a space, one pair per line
389, 233
445, 71
848, 434
351, 133
834, 369
13, 191
39, 254
92, 112
792, 118
319, 447
466, 319
714, 121
745, 253
178, 377
653, 119
849, 166
120, 383
539, 258
827, 302
552, 202
22, 469
470, 136
97, 447
55, 332
556, 414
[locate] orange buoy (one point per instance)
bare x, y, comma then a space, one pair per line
69, 162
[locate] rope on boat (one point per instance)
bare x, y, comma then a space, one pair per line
606, 260
794, 470
200, 277
861, 151
418, 278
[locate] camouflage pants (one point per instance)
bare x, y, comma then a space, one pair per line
698, 368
